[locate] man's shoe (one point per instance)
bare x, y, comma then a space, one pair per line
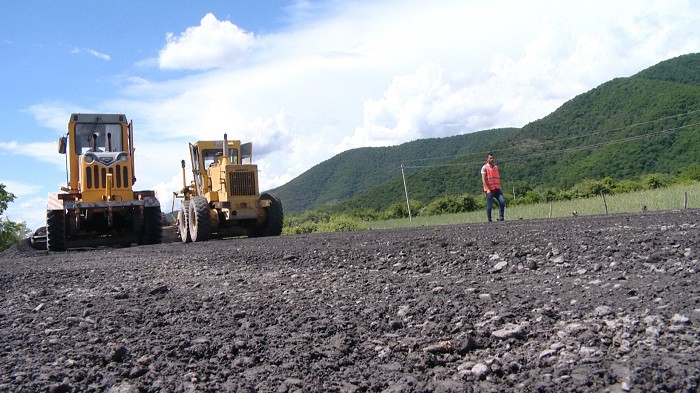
501, 219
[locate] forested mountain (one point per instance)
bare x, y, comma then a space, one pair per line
624, 128
353, 171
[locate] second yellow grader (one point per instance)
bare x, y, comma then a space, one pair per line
223, 199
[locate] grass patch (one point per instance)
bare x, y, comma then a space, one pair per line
670, 198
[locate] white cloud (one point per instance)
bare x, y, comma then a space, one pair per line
212, 44
559, 59
31, 211
42, 151
53, 115
164, 192
92, 52
20, 189
270, 135
379, 73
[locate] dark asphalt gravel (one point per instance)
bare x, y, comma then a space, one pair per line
606, 303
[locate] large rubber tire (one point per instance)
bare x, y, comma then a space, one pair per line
183, 222
55, 230
38, 239
275, 217
199, 220
152, 232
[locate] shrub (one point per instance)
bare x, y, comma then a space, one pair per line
657, 180
315, 221
341, 223
532, 196
295, 224
623, 186
550, 195
691, 173
300, 228
469, 203
399, 210
443, 205
589, 188
364, 214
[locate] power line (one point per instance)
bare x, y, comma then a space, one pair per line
386, 170
564, 150
540, 143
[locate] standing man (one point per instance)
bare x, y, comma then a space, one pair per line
492, 187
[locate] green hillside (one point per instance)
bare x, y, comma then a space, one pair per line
621, 129
624, 128
681, 69
357, 170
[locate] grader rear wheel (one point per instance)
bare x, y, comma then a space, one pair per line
183, 222
55, 230
199, 224
152, 231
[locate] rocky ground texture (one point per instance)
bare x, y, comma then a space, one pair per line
607, 303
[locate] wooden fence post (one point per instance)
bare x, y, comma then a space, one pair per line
685, 199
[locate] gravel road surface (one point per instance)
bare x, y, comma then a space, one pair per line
604, 303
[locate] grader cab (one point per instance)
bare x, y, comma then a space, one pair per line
98, 205
224, 199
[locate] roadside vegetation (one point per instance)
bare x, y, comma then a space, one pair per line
651, 193
10, 232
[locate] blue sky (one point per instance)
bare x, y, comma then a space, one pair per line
302, 80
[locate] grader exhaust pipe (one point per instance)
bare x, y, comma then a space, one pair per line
184, 179
224, 160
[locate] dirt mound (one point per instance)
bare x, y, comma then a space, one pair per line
20, 250
607, 303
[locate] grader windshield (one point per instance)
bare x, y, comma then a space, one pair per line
211, 156
100, 136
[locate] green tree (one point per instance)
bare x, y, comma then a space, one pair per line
10, 232
656, 180
690, 173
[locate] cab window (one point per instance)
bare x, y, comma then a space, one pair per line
94, 136
211, 156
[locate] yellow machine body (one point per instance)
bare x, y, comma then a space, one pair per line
224, 197
98, 205
101, 158
230, 183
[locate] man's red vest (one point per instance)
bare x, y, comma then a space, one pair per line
493, 180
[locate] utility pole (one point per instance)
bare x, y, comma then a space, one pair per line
408, 204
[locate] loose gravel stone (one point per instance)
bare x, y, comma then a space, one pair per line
509, 331
603, 311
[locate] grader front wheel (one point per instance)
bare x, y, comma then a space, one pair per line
199, 224
152, 231
275, 218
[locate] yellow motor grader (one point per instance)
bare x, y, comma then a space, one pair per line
223, 199
98, 206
